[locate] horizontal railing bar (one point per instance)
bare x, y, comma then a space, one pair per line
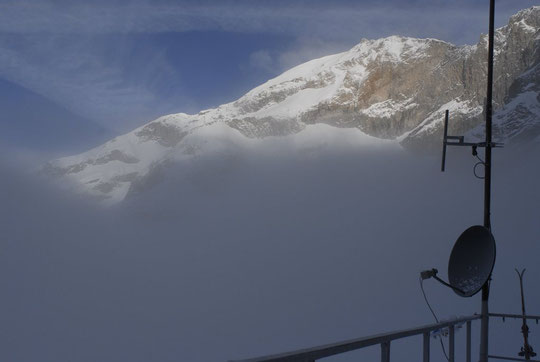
517, 316
314, 353
512, 358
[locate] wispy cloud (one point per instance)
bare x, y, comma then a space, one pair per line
336, 20
89, 75
262, 59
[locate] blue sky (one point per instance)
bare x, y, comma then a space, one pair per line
122, 63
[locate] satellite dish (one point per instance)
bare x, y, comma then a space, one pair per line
471, 261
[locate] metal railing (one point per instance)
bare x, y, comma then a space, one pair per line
384, 340
513, 316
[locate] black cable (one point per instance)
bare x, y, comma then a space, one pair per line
434, 316
427, 302
474, 170
481, 162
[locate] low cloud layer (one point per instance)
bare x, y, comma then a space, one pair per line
237, 257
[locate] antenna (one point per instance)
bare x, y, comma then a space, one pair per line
526, 350
460, 141
445, 138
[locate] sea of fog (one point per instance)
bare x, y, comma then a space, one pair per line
236, 257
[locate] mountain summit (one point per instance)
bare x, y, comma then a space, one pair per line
391, 90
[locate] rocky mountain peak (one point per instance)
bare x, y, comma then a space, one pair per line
395, 88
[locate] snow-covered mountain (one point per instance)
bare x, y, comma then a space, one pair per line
386, 91
519, 119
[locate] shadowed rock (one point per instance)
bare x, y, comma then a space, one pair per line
166, 134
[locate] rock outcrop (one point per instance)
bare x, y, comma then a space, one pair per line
395, 88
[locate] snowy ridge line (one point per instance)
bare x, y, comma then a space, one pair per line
386, 91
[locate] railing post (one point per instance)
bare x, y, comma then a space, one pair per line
426, 347
451, 344
468, 352
385, 351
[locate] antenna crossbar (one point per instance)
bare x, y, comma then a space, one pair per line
460, 141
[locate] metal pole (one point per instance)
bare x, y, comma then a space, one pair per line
487, 180
451, 344
489, 111
385, 351
468, 351
484, 326
426, 347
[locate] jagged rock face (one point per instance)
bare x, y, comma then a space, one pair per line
393, 88
517, 49
519, 120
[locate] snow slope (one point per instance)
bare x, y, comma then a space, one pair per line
381, 92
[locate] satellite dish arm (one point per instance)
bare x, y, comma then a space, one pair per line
426, 274
448, 285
